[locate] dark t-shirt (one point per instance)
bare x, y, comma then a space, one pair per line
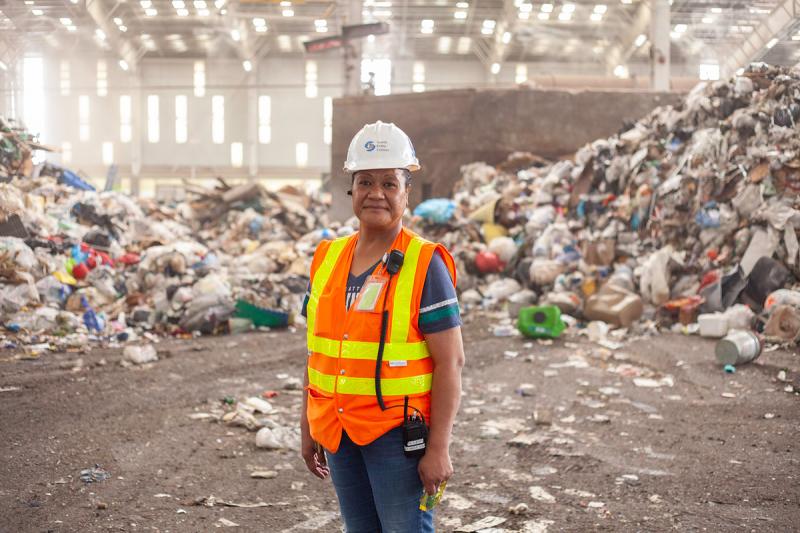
439, 304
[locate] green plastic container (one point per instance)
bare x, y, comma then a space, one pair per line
261, 316
540, 322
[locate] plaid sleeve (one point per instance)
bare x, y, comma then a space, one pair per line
439, 309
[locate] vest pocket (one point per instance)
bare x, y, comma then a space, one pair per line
314, 394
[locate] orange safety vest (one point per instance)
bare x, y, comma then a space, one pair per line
343, 345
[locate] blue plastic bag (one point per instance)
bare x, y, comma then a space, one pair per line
68, 177
437, 210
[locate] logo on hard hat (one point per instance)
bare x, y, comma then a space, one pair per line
370, 146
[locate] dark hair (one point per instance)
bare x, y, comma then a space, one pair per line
405, 171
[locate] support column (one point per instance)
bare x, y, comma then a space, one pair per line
352, 52
660, 47
6, 88
252, 120
138, 132
6, 78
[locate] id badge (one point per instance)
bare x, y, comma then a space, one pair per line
370, 295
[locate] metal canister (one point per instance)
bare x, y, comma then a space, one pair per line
738, 347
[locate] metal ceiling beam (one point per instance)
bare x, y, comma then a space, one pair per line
660, 56
231, 23
507, 22
120, 45
8, 53
625, 47
755, 44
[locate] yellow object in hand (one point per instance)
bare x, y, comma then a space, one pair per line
429, 501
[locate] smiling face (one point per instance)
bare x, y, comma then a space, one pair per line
380, 197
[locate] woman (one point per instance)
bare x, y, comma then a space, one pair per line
384, 350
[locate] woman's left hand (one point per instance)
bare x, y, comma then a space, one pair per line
434, 468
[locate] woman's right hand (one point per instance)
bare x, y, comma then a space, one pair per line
314, 456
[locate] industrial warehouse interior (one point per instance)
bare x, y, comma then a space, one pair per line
580, 218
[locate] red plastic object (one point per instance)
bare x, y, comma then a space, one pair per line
105, 258
80, 271
488, 262
129, 259
712, 276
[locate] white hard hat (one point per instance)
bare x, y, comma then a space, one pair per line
380, 145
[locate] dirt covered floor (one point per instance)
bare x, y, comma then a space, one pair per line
567, 436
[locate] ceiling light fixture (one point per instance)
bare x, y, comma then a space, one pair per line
495, 68
123, 64
247, 65
772, 42
640, 40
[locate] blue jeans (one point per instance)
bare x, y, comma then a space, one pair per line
378, 486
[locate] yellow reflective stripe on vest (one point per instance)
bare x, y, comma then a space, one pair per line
366, 386
321, 277
392, 351
322, 381
389, 387
401, 311
322, 345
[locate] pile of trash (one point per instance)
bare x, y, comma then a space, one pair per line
686, 219
78, 265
